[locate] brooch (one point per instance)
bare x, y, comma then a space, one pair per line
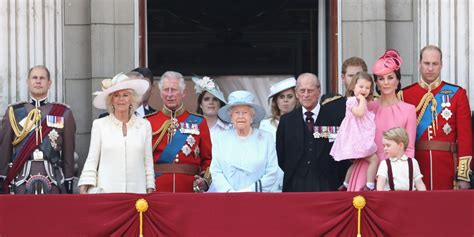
53, 138
186, 150
447, 129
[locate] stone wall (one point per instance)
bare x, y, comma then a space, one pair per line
98, 43
369, 27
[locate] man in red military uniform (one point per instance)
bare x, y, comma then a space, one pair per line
181, 141
444, 133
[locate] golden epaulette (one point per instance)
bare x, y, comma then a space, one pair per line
57, 103
331, 99
150, 114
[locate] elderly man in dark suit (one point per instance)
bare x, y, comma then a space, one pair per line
305, 137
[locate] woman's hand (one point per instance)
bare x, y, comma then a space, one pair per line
84, 188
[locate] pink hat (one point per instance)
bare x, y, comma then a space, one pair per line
389, 62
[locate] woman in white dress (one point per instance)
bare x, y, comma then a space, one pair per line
283, 100
120, 159
243, 158
210, 100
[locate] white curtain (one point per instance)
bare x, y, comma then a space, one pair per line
258, 85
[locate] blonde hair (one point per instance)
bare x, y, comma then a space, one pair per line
358, 76
276, 112
135, 102
398, 135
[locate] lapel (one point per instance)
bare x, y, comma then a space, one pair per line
300, 128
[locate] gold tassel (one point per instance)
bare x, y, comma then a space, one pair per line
142, 206
33, 118
359, 203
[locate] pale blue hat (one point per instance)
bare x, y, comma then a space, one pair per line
241, 98
207, 84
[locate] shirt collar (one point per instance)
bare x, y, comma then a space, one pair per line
315, 111
430, 86
173, 113
39, 102
140, 111
403, 158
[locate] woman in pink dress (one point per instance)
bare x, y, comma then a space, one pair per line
356, 136
389, 112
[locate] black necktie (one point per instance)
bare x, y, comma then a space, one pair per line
309, 121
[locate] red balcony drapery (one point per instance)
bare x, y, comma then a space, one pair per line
435, 213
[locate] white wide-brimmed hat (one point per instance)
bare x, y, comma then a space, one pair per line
241, 98
207, 84
282, 86
119, 82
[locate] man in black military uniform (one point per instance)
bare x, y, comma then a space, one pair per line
37, 142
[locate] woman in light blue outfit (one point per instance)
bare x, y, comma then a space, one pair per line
243, 158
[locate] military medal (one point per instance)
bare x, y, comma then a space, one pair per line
173, 127
446, 113
54, 121
197, 152
190, 140
317, 133
190, 128
329, 132
186, 150
53, 137
447, 129
325, 132
333, 133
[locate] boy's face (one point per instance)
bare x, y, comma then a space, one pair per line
392, 149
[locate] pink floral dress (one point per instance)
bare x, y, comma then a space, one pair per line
356, 136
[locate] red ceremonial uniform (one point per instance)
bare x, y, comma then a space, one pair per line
196, 152
447, 135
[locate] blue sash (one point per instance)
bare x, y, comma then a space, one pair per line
178, 141
426, 119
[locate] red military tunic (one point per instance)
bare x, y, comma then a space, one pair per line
199, 154
440, 170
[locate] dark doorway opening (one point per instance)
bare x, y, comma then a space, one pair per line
230, 37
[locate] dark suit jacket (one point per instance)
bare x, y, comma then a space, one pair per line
291, 144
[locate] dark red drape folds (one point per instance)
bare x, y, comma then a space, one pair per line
436, 213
